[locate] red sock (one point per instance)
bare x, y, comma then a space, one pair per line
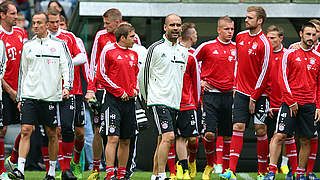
209, 150
219, 149
193, 149
172, 159
78, 146
96, 164
110, 171
45, 156
2, 156
60, 156
226, 154
300, 172
313, 154
273, 168
67, 149
15, 151
262, 153
235, 149
291, 150
121, 172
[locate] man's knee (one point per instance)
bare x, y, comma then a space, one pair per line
168, 137
124, 142
279, 138
79, 132
26, 130
3, 131
209, 135
113, 139
305, 141
192, 140
261, 129
239, 126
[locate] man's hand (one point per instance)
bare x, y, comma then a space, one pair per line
90, 95
271, 114
206, 86
294, 110
317, 115
135, 93
125, 97
65, 93
19, 106
252, 106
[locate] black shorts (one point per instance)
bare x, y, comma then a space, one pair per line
35, 112
217, 112
241, 109
271, 124
11, 114
164, 118
187, 124
118, 117
72, 111
100, 95
303, 123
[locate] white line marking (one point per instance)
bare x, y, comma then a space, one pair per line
245, 176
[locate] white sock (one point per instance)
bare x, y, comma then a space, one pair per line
21, 163
153, 177
162, 176
52, 168
284, 161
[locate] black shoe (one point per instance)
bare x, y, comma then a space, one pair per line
16, 174
49, 177
68, 175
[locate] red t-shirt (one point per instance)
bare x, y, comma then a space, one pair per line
13, 42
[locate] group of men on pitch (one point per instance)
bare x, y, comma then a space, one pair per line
233, 82
41, 88
238, 82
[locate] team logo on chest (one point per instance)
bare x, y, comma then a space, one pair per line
254, 45
52, 50
312, 61
233, 52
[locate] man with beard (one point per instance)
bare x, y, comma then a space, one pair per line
299, 83
12, 36
253, 52
161, 84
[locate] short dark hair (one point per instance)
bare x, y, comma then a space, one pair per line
307, 24
113, 14
276, 29
186, 30
4, 6
39, 13
123, 29
261, 13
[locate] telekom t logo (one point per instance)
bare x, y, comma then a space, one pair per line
12, 52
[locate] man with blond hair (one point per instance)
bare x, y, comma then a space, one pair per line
253, 53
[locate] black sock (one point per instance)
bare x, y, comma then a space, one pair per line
184, 164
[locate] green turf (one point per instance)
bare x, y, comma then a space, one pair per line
38, 175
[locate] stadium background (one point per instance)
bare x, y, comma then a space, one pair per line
147, 16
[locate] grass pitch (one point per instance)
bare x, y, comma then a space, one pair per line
39, 175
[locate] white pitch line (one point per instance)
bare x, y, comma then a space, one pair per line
245, 176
